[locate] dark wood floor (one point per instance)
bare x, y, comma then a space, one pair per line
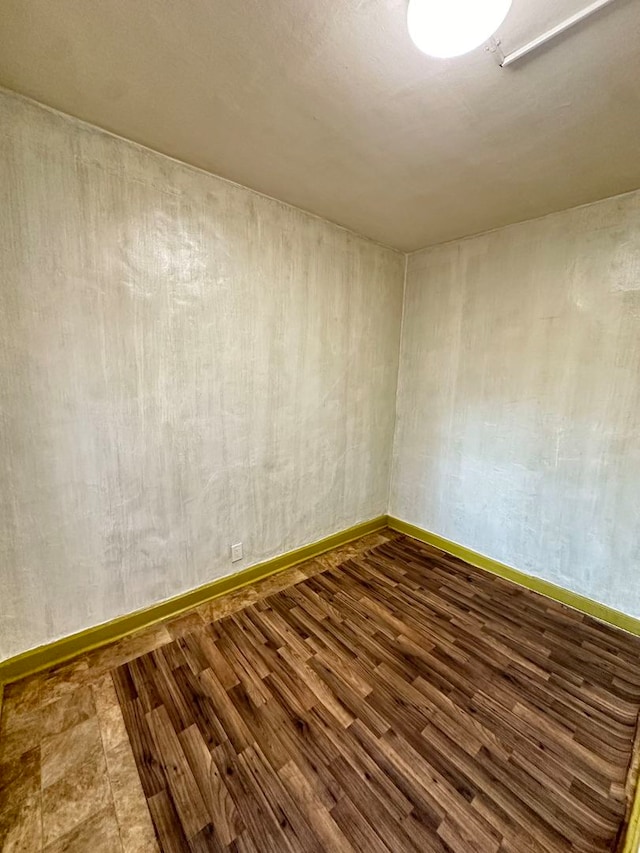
402, 701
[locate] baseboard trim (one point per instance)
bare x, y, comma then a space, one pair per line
565, 596
632, 836
69, 647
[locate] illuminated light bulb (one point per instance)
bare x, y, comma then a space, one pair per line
445, 28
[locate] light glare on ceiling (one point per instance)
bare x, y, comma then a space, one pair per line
445, 28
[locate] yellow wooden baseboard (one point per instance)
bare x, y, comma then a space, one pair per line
632, 837
58, 651
43, 657
564, 596
558, 593
68, 647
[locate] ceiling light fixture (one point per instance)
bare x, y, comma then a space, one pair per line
445, 28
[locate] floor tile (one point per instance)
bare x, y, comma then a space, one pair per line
334, 558
112, 728
75, 797
97, 834
62, 680
20, 822
136, 829
128, 648
311, 568
72, 708
19, 734
279, 581
184, 624
62, 752
21, 697
23, 834
22, 771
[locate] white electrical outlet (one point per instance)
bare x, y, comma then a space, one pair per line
236, 552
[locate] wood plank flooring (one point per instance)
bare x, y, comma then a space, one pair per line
400, 701
68, 778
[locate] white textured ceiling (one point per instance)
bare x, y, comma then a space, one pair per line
328, 105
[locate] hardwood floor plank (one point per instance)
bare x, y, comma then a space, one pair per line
317, 814
355, 828
401, 701
222, 810
262, 825
148, 759
287, 812
181, 783
167, 824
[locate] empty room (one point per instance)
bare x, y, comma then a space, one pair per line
319, 426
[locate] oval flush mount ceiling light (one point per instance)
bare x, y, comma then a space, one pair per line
446, 28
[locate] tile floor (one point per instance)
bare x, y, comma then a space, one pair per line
68, 779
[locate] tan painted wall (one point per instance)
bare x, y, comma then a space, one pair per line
183, 364
518, 414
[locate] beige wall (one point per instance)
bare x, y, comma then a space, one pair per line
518, 413
183, 364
